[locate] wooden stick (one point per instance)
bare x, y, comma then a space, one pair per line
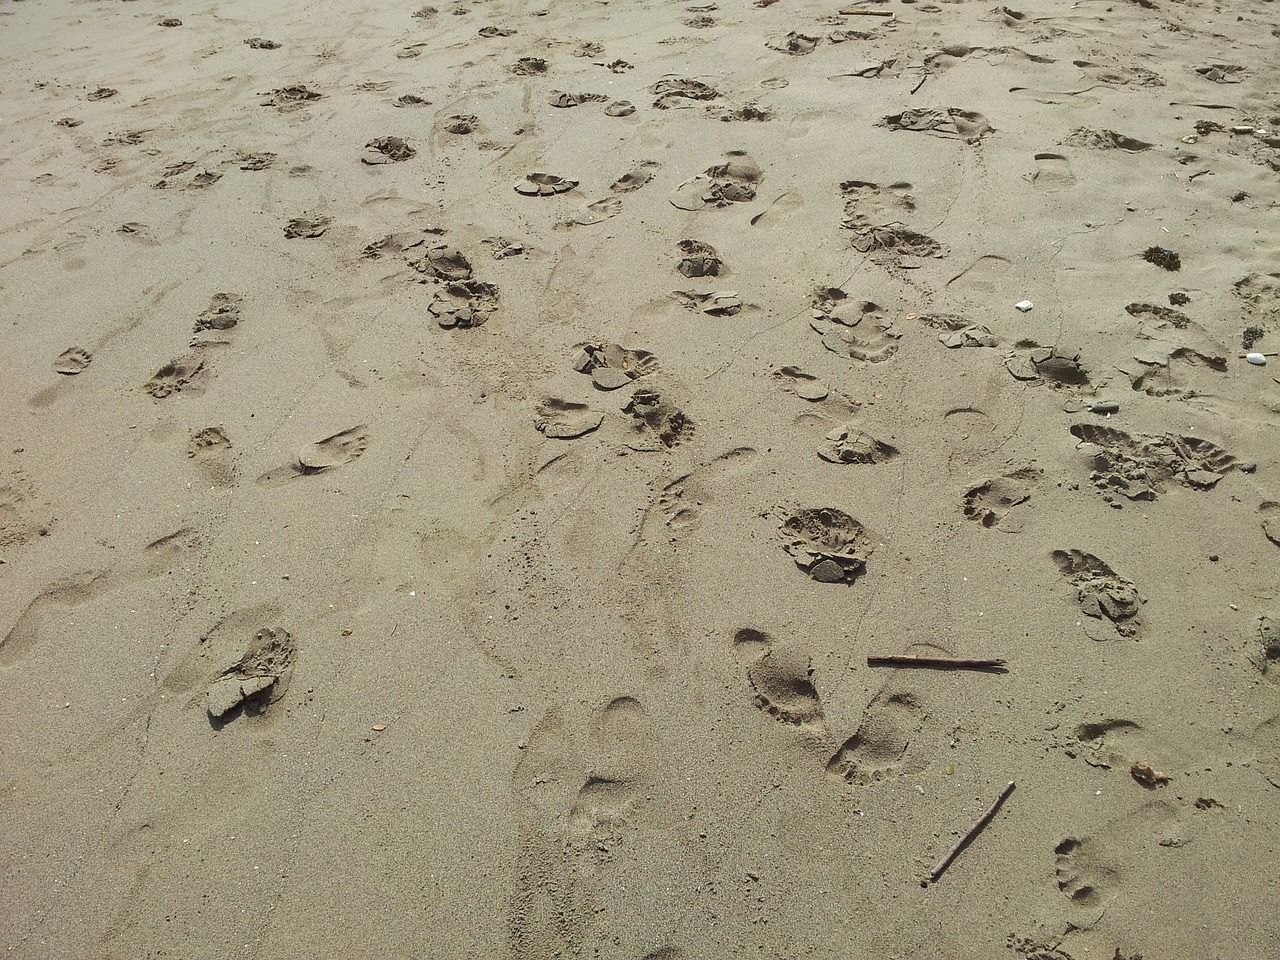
973, 831
938, 663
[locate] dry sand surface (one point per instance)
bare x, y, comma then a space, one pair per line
458, 461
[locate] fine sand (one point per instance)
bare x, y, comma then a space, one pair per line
458, 461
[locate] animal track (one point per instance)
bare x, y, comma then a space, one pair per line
878, 749
827, 544
990, 501
1137, 467
1101, 592
848, 444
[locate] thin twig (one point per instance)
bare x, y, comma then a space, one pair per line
921, 83
963, 842
937, 663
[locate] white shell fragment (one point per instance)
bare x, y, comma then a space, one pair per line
1024, 305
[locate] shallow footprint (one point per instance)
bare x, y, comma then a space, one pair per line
1083, 871
682, 501
878, 750
335, 451
210, 449
564, 419
804, 385
1053, 172
874, 343
72, 361
990, 501
321, 456
1101, 592
1270, 511
636, 177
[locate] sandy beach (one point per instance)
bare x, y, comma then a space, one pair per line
458, 461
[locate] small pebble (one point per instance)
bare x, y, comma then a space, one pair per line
1023, 305
378, 727
1213, 558
1257, 359
1248, 467
828, 571
1106, 406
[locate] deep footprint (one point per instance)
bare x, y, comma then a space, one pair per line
258, 680
1101, 592
827, 544
848, 444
